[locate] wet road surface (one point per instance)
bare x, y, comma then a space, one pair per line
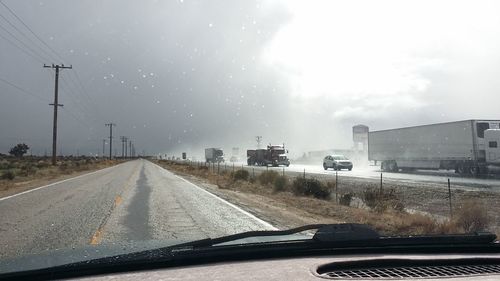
130, 202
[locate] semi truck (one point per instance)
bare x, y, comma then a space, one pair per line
468, 147
274, 155
214, 155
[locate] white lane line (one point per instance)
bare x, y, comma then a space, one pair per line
56, 183
264, 223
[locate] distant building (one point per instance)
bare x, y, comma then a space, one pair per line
360, 137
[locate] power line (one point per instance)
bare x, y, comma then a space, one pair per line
32, 32
22, 43
76, 100
71, 82
20, 48
94, 104
87, 125
24, 35
22, 90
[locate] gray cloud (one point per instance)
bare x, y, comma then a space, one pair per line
183, 75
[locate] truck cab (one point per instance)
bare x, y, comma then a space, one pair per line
274, 155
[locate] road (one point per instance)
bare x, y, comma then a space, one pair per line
133, 201
373, 172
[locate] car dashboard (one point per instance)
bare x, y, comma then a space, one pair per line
354, 267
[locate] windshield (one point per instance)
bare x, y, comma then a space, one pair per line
115, 117
341, 157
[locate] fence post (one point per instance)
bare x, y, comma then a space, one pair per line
253, 172
233, 167
380, 183
336, 191
449, 197
336, 181
218, 168
304, 173
267, 167
283, 171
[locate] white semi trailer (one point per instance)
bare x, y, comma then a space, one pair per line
468, 147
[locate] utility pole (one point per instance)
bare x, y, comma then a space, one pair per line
127, 153
124, 146
103, 147
110, 139
258, 139
130, 148
55, 105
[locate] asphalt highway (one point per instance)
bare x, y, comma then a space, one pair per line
129, 203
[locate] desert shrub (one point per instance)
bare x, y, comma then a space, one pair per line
27, 169
472, 216
42, 164
241, 175
380, 201
268, 177
63, 167
8, 175
310, 186
4, 165
345, 199
280, 183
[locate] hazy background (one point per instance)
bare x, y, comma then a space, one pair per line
183, 75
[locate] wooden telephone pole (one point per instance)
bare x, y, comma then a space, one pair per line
110, 139
55, 105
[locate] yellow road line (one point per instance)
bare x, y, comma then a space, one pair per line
118, 200
96, 238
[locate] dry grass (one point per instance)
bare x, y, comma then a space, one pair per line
389, 221
20, 174
471, 216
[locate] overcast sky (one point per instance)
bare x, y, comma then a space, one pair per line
183, 75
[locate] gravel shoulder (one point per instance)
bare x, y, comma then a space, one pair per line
283, 209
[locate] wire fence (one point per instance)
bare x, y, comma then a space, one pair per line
412, 195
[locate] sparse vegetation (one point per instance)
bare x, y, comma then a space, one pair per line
21, 173
385, 211
345, 199
267, 177
241, 175
310, 187
280, 183
472, 216
8, 175
382, 200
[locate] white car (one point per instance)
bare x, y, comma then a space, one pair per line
337, 162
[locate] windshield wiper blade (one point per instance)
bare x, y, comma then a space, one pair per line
249, 234
346, 234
